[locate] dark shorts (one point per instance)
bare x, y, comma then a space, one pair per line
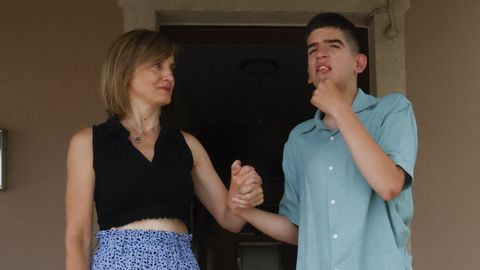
143, 249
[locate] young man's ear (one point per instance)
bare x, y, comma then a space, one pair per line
361, 60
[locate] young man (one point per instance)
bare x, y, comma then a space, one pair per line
348, 171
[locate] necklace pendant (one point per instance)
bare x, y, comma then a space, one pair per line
137, 139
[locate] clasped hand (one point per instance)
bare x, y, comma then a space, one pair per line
245, 188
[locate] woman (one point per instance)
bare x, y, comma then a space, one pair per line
140, 174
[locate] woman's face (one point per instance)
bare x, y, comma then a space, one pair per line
153, 82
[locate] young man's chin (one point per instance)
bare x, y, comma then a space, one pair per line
320, 80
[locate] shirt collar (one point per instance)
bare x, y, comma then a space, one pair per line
361, 102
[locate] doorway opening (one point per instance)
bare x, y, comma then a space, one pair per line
240, 90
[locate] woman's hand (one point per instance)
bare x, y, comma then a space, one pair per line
245, 188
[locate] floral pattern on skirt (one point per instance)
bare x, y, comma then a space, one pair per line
143, 249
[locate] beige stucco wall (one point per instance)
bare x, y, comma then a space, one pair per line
50, 55
442, 46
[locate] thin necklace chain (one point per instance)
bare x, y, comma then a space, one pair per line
138, 138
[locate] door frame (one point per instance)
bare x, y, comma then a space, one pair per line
383, 18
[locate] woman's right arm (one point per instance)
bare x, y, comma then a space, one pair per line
79, 201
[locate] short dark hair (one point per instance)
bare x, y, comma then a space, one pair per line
335, 20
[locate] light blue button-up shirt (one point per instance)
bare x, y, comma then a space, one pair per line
343, 223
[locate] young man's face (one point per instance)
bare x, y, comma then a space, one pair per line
330, 57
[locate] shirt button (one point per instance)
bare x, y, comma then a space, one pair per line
332, 138
330, 168
333, 202
335, 236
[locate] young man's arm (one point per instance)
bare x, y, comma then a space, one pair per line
274, 225
278, 226
381, 173
379, 170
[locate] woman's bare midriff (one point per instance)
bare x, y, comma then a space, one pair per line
159, 224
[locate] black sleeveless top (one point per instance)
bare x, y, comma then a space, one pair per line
128, 187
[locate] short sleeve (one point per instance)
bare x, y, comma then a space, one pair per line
398, 134
289, 205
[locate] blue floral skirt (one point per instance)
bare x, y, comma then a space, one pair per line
143, 249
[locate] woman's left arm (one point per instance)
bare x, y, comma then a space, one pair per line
211, 191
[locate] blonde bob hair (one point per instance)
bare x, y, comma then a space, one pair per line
128, 52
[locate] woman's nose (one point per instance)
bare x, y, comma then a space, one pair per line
168, 75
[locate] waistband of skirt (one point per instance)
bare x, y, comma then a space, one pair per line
141, 237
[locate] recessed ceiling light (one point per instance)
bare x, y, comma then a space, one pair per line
259, 66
